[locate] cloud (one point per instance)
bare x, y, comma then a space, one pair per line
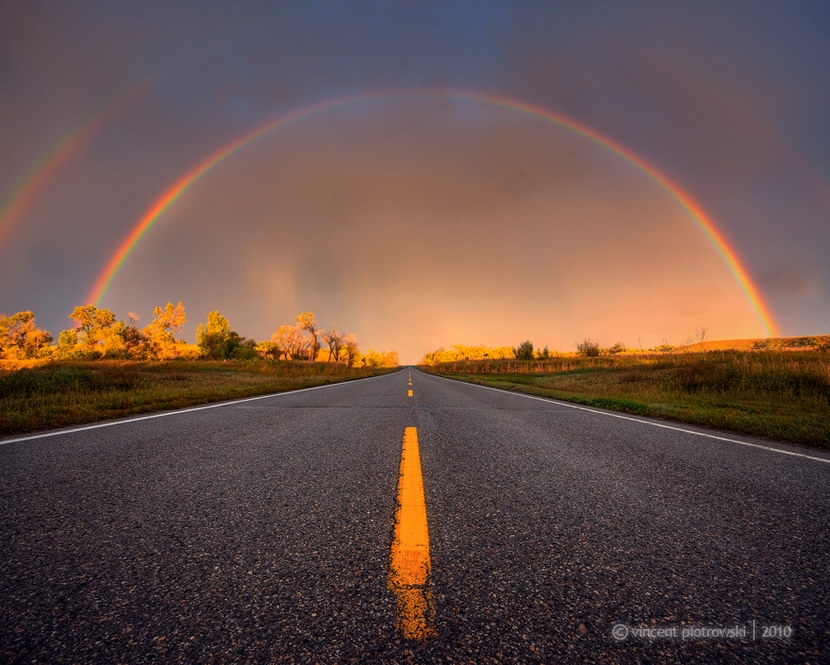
386, 221
477, 218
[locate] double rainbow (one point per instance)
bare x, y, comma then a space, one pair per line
15, 205
172, 194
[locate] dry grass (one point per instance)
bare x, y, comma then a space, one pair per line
774, 394
817, 342
38, 396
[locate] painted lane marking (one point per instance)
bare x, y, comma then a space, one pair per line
165, 414
409, 563
409, 393
646, 422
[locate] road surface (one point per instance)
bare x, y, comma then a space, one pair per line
260, 531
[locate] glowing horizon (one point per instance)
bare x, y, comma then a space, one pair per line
193, 175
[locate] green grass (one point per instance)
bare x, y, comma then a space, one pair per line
782, 395
68, 392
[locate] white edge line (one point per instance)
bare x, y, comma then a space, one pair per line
164, 414
550, 400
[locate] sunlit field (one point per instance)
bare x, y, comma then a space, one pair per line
57, 394
779, 394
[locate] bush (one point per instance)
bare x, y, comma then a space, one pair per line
588, 348
247, 350
524, 351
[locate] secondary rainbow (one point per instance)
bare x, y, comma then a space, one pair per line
21, 198
174, 192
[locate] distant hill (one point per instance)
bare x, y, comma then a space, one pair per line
776, 343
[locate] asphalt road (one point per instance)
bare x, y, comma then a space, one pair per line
260, 532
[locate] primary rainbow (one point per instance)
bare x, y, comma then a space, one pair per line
27, 190
172, 194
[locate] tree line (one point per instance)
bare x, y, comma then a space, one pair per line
97, 334
523, 351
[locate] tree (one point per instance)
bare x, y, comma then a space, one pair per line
464, 352
168, 321
524, 351
335, 342
91, 321
67, 340
136, 342
241, 348
20, 337
303, 342
100, 334
351, 350
380, 359
269, 349
214, 337
588, 347
305, 321
299, 342
288, 341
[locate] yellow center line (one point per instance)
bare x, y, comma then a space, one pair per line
409, 566
409, 393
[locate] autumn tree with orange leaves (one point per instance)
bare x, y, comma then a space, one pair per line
20, 337
98, 334
160, 340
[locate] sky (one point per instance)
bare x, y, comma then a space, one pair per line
421, 174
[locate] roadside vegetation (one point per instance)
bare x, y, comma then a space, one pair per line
105, 368
36, 395
780, 390
98, 335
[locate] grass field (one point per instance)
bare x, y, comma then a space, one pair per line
44, 396
783, 395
